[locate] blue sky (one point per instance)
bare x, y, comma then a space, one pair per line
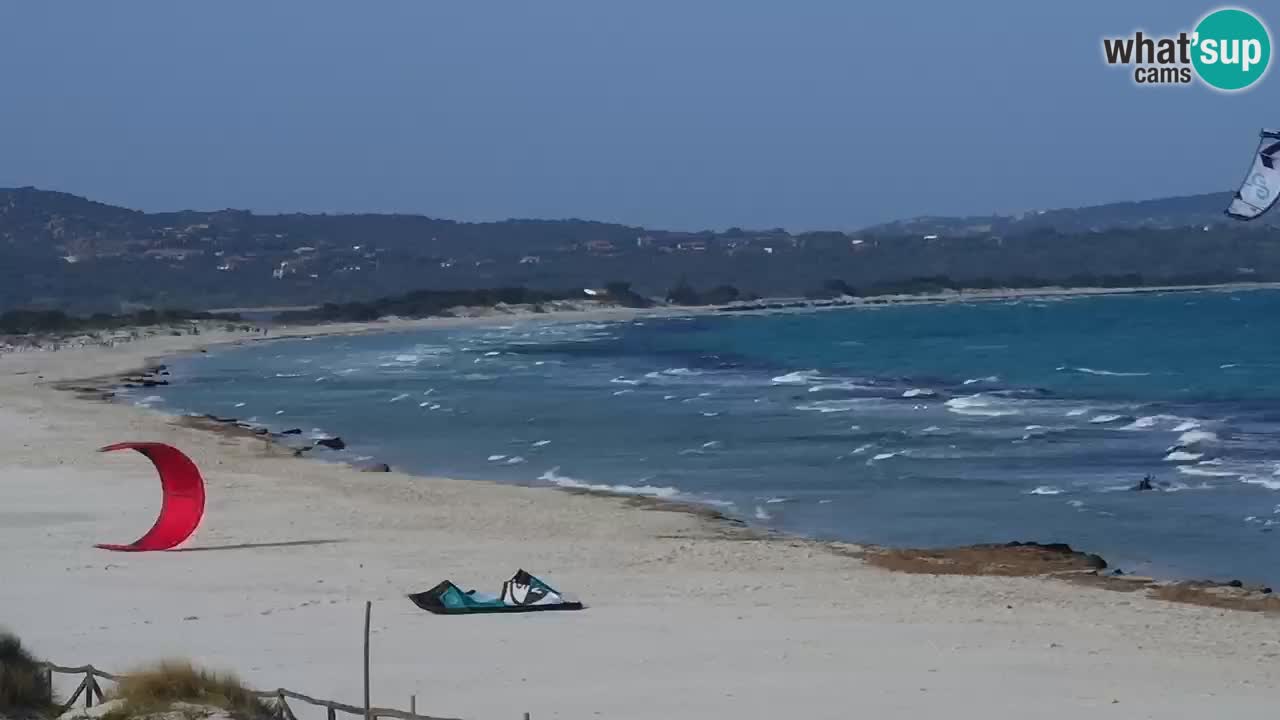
670, 113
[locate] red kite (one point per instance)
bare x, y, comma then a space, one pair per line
183, 503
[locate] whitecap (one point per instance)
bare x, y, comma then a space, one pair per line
710, 414
1104, 419
624, 381
987, 379
862, 448
1185, 426
1076, 503
713, 444
515, 460
492, 353
1193, 437
288, 375
979, 405
496, 458
1077, 412
886, 456
1264, 482
240, 404
423, 404
622, 392
800, 377
407, 358
399, 397
1045, 490
668, 397
1182, 456
279, 412
761, 514
541, 443
1109, 373
931, 429
149, 400
1202, 472
831, 406
919, 392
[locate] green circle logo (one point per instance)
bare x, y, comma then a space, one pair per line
1232, 49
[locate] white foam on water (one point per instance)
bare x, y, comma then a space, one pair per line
240, 404
668, 397
710, 414
824, 502
886, 456
279, 412
1228, 365
496, 458
862, 448
931, 429
149, 400
800, 377
1203, 472
1264, 482
542, 443
554, 477
407, 358
515, 460
832, 406
1045, 490
1182, 456
288, 375
761, 514
978, 405
712, 445
622, 392
774, 500
423, 404
1104, 419
1194, 437
1109, 373
1076, 503
1077, 412
827, 387
624, 381
987, 379
492, 353
1149, 422
399, 397
919, 392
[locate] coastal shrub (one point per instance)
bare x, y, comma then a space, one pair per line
158, 687
23, 684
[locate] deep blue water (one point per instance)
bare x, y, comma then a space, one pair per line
908, 425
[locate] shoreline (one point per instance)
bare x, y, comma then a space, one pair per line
685, 620
1046, 558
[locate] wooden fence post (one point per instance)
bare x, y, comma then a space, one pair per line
368, 610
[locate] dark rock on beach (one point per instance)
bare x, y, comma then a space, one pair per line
1009, 559
292, 431
376, 467
332, 443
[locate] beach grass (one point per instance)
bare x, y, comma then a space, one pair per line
158, 687
23, 683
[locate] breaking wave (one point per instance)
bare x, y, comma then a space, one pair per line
554, 477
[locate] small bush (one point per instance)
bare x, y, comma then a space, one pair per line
23, 685
156, 688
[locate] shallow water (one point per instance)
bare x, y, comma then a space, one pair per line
908, 425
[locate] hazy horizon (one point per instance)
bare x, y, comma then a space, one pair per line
689, 115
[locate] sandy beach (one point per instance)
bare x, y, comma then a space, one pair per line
687, 618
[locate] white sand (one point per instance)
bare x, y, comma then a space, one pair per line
682, 622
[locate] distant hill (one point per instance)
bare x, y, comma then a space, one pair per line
61, 251
1161, 214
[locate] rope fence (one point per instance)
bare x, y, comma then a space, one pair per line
91, 691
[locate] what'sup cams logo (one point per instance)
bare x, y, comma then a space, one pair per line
1228, 50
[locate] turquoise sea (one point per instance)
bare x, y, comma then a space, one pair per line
921, 425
